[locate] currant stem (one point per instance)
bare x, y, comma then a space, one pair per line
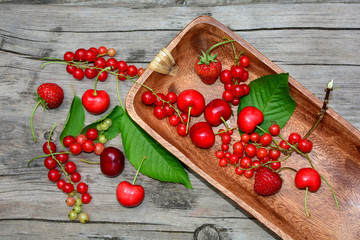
46, 155
138, 170
85, 161
32, 120
306, 210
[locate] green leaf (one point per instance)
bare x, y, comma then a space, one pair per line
271, 95
74, 120
115, 115
160, 163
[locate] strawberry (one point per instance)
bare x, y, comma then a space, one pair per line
208, 67
50, 96
267, 181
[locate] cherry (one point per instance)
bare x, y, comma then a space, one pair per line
191, 101
308, 178
217, 111
112, 162
129, 194
96, 101
248, 118
305, 145
202, 135
49, 146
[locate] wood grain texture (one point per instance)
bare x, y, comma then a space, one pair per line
313, 41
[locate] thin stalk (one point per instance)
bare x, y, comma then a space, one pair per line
332, 191
45, 155
32, 121
138, 170
306, 210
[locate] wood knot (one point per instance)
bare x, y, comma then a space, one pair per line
206, 232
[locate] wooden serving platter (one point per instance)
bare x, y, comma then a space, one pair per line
336, 152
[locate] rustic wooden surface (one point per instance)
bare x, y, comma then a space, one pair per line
314, 42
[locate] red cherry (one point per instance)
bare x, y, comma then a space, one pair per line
308, 177
217, 111
129, 195
202, 135
191, 100
248, 118
96, 103
112, 162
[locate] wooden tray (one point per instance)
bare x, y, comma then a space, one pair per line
336, 153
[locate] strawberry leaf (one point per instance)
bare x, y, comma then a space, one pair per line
271, 95
159, 164
115, 115
75, 119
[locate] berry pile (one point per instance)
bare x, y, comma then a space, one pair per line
92, 141
77, 191
92, 62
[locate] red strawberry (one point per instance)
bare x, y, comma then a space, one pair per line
50, 96
208, 67
267, 181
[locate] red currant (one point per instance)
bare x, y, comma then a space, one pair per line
88, 146
239, 171
91, 73
254, 137
249, 173
159, 99
227, 95
223, 162
92, 134
294, 138
225, 76
80, 138
171, 97
174, 120
102, 50
75, 177
250, 150
131, 70
70, 167
90, 55
78, 74
50, 163
274, 153
100, 62
261, 153
238, 147
305, 145
266, 139
245, 162
219, 154
69, 56
49, 146
245, 138
234, 159
283, 144
148, 98
54, 175
244, 61
275, 165
82, 188
62, 158
68, 188
60, 184
159, 112
181, 129
112, 63
122, 66
68, 140
86, 198
98, 148
274, 129
75, 148
80, 54
70, 69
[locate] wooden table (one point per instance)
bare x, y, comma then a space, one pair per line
314, 42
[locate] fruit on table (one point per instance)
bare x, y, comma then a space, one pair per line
202, 135
111, 162
249, 117
130, 195
308, 178
191, 101
267, 181
217, 111
208, 68
96, 102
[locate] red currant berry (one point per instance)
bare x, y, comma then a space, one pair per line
100, 62
82, 188
112, 63
274, 153
75, 177
238, 147
239, 171
235, 101
256, 164
80, 138
78, 74
237, 91
62, 158
245, 76
226, 139
91, 73
234, 159
111, 52
102, 50
237, 71
275, 165
174, 120
168, 110
266, 139
227, 95
265, 159
274, 129
249, 173
60, 184
254, 137
250, 150
159, 99
70, 167
49, 146
69, 56
225, 147
305, 145
88, 146
75, 148
86, 198
54, 175
159, 112
185, 117
148, 98
92, 134
227, 155
261, 153
68, 140
68, 188
122, 66
246, 89
225, 76
171, 97
98, 148
102, 76
283, 144
228, 86
244, 61
223, 162
70, 69
245, 162
80, 54
219, 154
140, 71
122, 76
294, 138
90, 55
50, 163
245, 137
181, 129
131, 70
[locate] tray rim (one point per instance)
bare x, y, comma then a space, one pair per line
129, 104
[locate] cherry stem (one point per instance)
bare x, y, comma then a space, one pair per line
286, 168
138, 170
188, 120
218, 44
306, 210
332, 191
118, 93
32, 120
322, 111
45, 155
85, 161
225, 123
96, 79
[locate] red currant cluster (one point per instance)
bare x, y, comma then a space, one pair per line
264, 148
73, 177
233, 81
92, 141
78, 64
